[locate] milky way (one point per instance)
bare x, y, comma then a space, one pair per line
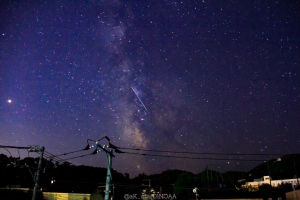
196, 76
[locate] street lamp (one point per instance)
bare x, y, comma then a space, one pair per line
195, 191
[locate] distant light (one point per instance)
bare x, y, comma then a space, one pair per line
9, 101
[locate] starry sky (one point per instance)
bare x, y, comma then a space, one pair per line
197, 76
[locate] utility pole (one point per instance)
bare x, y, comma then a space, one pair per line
31, 149
108, 175
109, 155
41, 150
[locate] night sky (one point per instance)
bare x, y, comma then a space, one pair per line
198, 76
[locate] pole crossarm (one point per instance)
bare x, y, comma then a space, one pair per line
108, 150
32, 148
15, 147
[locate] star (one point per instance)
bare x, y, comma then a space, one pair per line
163, 76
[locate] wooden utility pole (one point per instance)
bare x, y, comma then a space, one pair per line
37, 179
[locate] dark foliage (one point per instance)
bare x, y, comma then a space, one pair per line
65, 177
18, 195
285, 167
54, 177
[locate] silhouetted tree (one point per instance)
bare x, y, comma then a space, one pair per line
184, 185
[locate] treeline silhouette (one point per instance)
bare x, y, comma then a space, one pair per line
65, 177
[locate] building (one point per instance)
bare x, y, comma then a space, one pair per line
48, 195
63, 196
266, 180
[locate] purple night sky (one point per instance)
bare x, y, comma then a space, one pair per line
197, 76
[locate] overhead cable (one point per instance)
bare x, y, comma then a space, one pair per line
201, 153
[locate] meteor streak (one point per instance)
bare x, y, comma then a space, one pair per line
139, 99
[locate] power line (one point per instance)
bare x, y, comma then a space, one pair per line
51, 158
7, 151
193, 158
54, 158
64, 154
14, 147
61, 160
19, 153
49, 155
78, 156
32, 148
200, 153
